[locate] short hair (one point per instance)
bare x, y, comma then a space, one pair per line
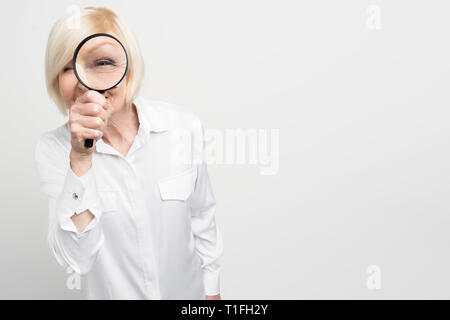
65, 36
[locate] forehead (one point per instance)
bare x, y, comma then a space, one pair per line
100, 42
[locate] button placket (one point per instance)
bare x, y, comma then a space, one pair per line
150, 267
133, 175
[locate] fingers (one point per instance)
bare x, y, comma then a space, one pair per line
88, 119
89, 109
92, 96
89, 122
81, 133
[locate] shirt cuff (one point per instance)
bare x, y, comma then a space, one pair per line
211, 280
78, 195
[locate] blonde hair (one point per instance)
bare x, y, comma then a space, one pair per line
71, 29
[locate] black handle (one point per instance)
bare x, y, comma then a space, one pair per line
88, 143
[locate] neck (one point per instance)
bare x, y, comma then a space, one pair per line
122, 127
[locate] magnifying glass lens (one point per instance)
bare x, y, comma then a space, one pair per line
101, 63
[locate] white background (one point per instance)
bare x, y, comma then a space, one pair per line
363, 116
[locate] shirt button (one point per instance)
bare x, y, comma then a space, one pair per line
75, 196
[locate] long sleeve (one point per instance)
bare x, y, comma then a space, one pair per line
68, 194
208, 239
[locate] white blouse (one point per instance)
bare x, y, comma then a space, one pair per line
154, 234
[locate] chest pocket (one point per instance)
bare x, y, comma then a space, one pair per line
179, 186
108, 200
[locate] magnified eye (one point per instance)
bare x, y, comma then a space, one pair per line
100, 62
104, 62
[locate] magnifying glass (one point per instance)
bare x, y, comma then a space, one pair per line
100, 63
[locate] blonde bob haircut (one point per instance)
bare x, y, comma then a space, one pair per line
71, 29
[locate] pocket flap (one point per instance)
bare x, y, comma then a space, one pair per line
179, 186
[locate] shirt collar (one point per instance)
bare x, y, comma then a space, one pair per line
150, 116
151, 119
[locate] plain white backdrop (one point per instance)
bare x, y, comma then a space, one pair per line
359, 207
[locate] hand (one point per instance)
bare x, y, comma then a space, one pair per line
216, 297
87, 120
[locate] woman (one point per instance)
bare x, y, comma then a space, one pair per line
135, 213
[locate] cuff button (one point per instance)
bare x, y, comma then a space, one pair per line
75, 196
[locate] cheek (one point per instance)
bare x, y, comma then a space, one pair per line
67, 85
118, 96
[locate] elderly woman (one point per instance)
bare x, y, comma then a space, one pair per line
135, 213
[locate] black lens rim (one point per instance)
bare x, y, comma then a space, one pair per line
75, 54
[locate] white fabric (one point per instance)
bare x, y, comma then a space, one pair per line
154, 235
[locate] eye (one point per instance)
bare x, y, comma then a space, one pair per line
103, 62
67, 69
